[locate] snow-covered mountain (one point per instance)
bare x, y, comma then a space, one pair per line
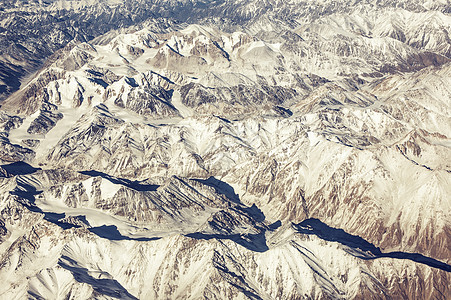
225, 149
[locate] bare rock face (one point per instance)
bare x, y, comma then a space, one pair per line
30, 143
150, 101
44, 122
13, 153
225, 150
235, 99
8, 122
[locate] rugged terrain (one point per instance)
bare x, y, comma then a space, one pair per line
225, 149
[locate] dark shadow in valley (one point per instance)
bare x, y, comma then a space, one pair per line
284, 111
28, 192
19, 168
363, 249
275, 225
135, 185
221, 187
228, 191
51, 216
105, 286
25, 190
223, 119
99, 82
131, 81
254, 212
110, 232
253, 242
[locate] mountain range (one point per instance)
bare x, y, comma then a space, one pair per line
253, 149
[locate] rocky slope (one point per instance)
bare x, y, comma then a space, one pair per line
272, 150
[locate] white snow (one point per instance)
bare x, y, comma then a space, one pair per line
185, 111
